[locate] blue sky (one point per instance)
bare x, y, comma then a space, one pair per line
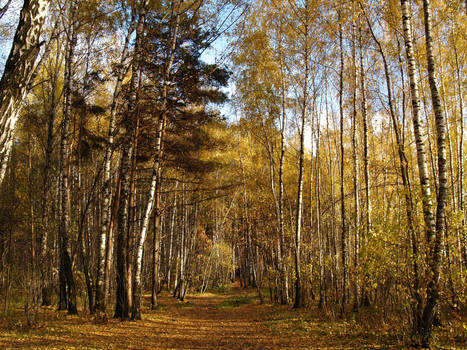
10, 21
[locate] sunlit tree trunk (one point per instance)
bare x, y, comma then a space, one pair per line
305, 54
421, 155
434, 241
460, 161
122, 298
106, 190
404, 167
284, 288
18, 70
155, 178
331, 236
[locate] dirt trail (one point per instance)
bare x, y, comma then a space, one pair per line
198, 323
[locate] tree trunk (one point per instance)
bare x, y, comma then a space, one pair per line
412, 233
106, 190
428, 216
299, 293
356, 169
342, 193
44, 252
156, 254
65, 259
171, 238
122, 302
434, 242
366, 169
18, 71
155, 179
460, 161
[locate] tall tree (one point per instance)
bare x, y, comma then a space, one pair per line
304, 30
434, 241
421, 327
161, 121
67, 283
122, 302
342, 155
107, 193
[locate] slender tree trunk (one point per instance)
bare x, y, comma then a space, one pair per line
122, 302
171, 238
299, 293
435, 242
342, 193
106, 190
412, 233
65, 255
31, 301
322, 269
460, 161
429, 219
355, 177
366, 168
284, 288
45, 255
109, 251
132, 234
155, 179
156, 244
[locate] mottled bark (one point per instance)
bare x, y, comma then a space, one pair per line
299, 292
106, 190
418, 133
422, 328
404, 168
435, 241
18, 70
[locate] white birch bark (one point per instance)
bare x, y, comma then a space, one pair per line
19, 68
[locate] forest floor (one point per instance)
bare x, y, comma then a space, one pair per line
232, 320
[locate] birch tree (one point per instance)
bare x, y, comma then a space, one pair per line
18, 70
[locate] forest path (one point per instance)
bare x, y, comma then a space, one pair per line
204, 321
